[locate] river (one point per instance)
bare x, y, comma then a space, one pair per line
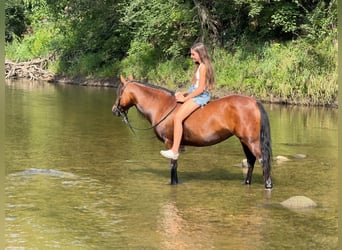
78, 178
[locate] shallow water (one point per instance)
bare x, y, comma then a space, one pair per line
78, 178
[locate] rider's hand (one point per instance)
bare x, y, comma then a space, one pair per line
179, 97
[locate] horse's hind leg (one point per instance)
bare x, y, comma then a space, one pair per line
250, 161
267, 175
174, 176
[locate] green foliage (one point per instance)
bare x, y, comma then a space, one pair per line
259, 47
321, 21
273, 20
167, 25
37, 10
141, 58
16, 20
286, 18
294, 71
89, 30
173, 74
87, 64
39, 44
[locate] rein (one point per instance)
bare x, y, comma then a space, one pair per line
127, 121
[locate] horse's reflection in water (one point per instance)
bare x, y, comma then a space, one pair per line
220, 119
173, 228
185, 223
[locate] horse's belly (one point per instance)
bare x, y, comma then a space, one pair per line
204, 138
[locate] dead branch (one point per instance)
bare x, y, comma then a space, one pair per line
34, 70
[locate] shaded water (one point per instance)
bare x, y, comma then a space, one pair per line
78, 178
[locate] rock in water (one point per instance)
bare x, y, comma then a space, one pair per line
299, 156
299, 202
49, 172
280, 158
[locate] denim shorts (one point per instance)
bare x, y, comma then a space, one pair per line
202, 99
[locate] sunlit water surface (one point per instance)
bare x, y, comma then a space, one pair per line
78, 178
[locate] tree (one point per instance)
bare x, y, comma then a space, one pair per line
168, 25
15, 19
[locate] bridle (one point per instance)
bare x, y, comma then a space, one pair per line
118, 106
124, 113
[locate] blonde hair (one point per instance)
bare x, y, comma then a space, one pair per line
203, 54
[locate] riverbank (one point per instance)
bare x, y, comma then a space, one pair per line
294, 73
113, 82
38, 70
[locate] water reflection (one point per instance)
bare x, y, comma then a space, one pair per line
212, 223
78, 178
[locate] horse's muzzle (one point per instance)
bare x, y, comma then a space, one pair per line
116, 111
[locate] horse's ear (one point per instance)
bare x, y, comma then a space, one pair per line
130, 77
123, 80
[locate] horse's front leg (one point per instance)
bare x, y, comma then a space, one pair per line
174, 176
250, 162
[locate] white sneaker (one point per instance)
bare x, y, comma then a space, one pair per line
169, 154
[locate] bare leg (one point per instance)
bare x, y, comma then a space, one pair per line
185, 110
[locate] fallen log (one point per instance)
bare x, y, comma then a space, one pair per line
33, 70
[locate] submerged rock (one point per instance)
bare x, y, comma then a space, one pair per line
49, 172
281, 158
298, 202
299, 156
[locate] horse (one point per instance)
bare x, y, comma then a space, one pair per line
218, 120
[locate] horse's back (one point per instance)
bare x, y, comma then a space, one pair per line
234, 99
230, 115
234, 106
238, 110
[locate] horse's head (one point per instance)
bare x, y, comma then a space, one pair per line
123, 100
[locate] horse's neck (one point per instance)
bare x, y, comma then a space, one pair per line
153, 103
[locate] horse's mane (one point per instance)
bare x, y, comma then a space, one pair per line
155, 87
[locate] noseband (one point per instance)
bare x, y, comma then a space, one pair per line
124, 113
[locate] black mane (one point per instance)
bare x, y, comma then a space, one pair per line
155, 87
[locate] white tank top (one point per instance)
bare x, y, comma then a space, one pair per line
197, 77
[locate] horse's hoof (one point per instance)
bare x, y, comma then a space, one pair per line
269, 186
248, 182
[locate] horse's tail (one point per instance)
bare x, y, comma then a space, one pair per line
265, 141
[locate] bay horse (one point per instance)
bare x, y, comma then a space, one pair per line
218, 120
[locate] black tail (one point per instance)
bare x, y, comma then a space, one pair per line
265, 143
